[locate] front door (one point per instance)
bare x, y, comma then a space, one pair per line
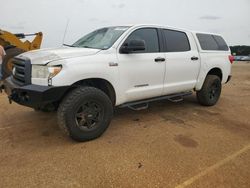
142, 72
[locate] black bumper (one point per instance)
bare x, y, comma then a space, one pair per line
33, 96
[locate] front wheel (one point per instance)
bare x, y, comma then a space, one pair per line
210, 92
85, 113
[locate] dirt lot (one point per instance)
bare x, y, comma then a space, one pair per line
168, 145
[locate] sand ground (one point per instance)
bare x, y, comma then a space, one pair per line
169, 145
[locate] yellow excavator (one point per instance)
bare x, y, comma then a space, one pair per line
14, 45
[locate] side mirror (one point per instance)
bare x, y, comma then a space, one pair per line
133, 46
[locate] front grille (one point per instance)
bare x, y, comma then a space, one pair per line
21, 71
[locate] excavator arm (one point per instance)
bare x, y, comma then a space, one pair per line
9, 39
14, 45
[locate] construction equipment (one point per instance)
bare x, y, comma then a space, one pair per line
14, 45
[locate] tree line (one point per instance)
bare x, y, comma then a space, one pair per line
240, 50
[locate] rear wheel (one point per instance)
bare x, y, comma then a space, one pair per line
85, 113
7, 65
210, 92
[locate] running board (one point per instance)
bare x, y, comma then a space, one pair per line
173, 98
138, 107
176, 99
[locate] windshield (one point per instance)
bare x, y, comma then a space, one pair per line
102, 38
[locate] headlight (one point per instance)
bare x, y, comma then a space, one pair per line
53, 71
39, 71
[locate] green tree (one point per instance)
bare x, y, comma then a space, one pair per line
240, 50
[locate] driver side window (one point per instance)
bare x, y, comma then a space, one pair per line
149, 36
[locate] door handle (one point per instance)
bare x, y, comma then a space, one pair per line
194, 58
160, 59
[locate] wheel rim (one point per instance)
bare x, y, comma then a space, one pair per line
88, 116
214, 90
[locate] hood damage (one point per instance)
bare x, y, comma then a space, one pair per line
45, 56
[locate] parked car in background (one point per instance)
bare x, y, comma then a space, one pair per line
242, 58
246, 58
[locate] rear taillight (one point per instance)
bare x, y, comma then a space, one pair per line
231, 59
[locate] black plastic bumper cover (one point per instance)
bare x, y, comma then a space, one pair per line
33, 95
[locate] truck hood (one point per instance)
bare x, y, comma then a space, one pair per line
45, 56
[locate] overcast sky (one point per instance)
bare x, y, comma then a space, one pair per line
230, 18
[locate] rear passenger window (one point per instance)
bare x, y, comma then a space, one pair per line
212, 42
176, 41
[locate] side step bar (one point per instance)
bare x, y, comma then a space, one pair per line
143, 104
139, 107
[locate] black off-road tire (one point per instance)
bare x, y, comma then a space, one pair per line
78, 99
210, 92
10, 53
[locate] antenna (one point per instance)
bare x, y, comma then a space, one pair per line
66, 29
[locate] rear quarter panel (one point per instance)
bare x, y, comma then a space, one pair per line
210, 60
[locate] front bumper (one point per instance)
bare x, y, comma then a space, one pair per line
33, 96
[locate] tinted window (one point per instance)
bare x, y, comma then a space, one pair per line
212, 42
207, 42
221, 42
149, 36
176, 41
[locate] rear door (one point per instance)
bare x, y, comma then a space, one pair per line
182, 61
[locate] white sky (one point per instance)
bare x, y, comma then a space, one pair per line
226, 17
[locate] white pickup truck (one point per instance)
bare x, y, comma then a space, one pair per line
123, 66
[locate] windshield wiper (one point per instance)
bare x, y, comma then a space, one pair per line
69, 45
86, 47
92, 47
